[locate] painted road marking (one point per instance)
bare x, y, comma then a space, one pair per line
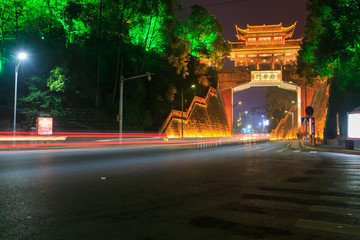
353, 183
327, 226
252, 149
351, 174
343, 190
335, 210
348, 177
313, 151
353, 170
297, 151
341, 199
267, 149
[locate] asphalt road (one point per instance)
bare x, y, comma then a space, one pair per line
251, 191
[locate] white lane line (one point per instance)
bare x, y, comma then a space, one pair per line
336, 210
327, 226
344, 190
348, 178
354, 170
252, 149
348, 184
297, 151
282, 150
341, 199
238, 149
267, 149
313, 151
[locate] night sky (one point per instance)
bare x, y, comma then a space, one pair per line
254, 12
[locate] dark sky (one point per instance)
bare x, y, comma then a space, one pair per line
255, 12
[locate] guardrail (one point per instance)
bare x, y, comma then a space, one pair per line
234, 139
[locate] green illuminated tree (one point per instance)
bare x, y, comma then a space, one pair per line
203, 32
58, 80
331, 45
331, 48
90, 39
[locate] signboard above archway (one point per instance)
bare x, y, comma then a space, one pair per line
267, 79
266, 76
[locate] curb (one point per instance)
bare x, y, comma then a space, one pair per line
322, 149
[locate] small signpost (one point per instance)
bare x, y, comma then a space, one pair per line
305, 121
44, 125
309, 120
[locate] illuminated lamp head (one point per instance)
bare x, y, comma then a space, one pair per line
22, 55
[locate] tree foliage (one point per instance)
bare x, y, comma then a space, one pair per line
331, 45
80, 48
331, 48
203, 32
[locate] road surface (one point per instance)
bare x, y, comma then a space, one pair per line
246, 191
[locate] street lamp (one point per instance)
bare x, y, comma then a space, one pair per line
21, 56
122, 79
193, 86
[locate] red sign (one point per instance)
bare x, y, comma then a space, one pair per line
45, 125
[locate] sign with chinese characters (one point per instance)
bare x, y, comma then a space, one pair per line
266, 76
45, 125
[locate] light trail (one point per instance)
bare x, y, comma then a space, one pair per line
76, 139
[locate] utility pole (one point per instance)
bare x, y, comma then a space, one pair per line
182, 113
305, 113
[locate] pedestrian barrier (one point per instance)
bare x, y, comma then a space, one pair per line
238, 138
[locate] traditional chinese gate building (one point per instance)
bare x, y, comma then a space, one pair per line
264, 56
265, 47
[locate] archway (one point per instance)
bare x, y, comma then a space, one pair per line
272, 78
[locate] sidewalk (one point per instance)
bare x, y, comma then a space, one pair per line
301, 144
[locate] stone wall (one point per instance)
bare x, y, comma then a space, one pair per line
319, 100
229, 78
205, 118
320, 105
287, 127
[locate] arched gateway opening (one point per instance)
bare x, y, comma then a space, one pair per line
256, 121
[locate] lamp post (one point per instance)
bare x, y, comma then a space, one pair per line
306, 134
21, 56
122, 79
233, 114
193, 86
292, 123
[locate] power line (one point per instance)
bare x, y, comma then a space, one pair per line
222, 3
218, 3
